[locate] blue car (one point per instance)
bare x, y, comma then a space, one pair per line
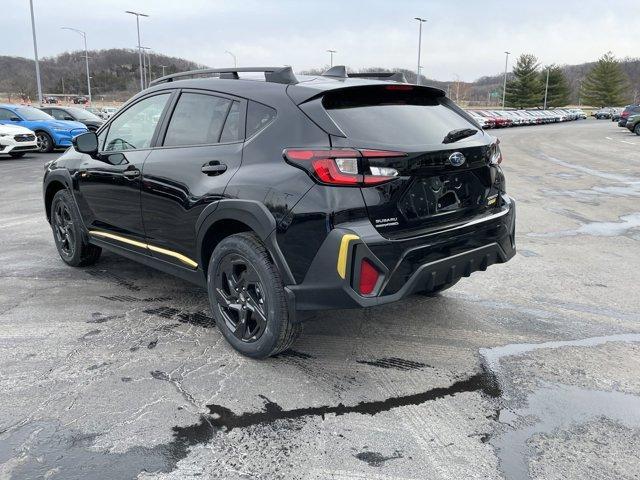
50, 133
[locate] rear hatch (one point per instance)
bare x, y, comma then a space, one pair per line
440, 159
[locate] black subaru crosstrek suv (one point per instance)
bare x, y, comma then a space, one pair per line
286, 195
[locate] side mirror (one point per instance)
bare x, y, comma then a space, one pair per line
15, 119
69, 117
86, 143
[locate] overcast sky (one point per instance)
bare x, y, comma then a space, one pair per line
463, 37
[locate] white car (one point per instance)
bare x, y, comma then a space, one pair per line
16, 141
108, 112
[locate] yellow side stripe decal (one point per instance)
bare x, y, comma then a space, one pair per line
146, 246
343, 253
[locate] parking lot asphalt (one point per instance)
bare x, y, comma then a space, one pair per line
528, 370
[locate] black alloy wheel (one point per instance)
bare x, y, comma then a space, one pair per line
71, 243
248, 298
240, 296
63, 230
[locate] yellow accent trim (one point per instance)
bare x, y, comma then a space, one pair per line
177, 255
146, 246
342, 253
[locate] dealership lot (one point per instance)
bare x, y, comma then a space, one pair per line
526, 370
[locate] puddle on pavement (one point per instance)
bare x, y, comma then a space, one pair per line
553, 406
627, 224
626, 186
558, 407
47, 450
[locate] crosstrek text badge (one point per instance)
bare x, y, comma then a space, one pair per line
456, 159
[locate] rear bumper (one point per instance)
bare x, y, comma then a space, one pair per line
406, 266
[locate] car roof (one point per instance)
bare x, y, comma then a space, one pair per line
308, 86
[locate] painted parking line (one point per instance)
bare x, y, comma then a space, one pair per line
622, 141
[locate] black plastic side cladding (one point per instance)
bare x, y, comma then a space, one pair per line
253, 214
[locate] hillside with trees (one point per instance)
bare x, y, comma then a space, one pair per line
115, 76
115, 73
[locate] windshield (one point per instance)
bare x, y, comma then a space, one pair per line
33, 114
82, 114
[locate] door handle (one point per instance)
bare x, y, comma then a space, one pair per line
131, 173
214, 168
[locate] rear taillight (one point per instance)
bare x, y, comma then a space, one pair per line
345, 167
496, 154
368, 277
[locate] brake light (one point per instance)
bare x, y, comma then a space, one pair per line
399, 87
343, 167
368, 277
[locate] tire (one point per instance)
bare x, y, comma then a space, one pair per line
68, 234
45, 142
439, 289
17, 155
636, 129
247, 298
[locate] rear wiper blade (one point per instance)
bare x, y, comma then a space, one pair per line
459, 134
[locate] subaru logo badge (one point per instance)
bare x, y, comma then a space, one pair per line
456, 159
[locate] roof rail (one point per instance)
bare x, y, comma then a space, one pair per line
391, 76
271, 74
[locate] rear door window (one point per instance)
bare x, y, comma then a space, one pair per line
197, 120
393, 115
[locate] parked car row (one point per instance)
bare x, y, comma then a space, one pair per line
628, 111
514, 118
49, 132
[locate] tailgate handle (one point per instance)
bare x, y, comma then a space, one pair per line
214, 168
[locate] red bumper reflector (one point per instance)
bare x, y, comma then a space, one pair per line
368, 277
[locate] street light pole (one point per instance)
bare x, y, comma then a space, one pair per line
138, 15
35, 52
420, 22
86, 56
331, 52
235, 59
163, 67
504, 84
546, 89
148, 52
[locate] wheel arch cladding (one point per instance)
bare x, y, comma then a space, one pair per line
53, 187
228, 217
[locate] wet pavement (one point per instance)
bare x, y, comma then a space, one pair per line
528, 370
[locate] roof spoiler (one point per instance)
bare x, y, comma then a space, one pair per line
391, 76
283, 75
340, 71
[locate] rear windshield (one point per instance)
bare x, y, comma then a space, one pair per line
393, 115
